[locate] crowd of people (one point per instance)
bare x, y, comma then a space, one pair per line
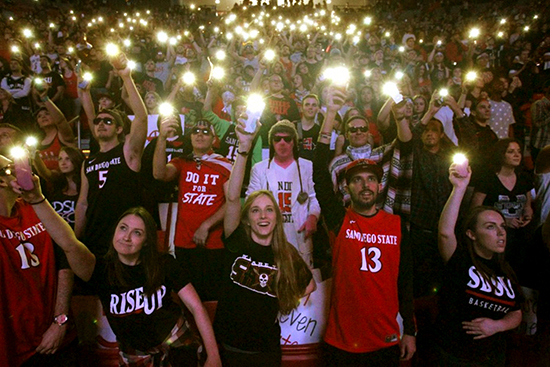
400, 150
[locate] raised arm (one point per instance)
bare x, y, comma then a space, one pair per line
87, 101
64, 130
81, 206
447, 241
81, 260
161, 169
135, 141
233, 190
383, 119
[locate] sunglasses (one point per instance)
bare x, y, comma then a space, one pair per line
287, 139
198, 130
7, 170
353, 129
105, 120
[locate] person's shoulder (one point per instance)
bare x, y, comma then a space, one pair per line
305, 163
262, 165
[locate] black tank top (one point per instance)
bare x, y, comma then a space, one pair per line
113, 189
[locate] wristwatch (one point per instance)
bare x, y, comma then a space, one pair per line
61, 319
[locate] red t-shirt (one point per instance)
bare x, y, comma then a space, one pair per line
201, 195
364, 300
28, 280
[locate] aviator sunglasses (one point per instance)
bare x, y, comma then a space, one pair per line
277, 139
198, 130
353, 129
105, 120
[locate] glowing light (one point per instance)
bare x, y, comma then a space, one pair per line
217, 72
111, 49
87, 76
31, 141
27, 33
166, 109
220, 55
338, 75
474, 33
162, 37
188, 78
131, 64
390, 89
471, 75
367, 21
127, 42
444, 92
269, 55
401, 49
367, 73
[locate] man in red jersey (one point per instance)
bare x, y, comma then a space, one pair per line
35, 290
372, 267
202, 176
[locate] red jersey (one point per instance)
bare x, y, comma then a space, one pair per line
49, 153
366, 258
28, 280
201, 195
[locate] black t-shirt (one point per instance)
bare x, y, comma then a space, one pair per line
140, 321
53, 80
509, 202
308, 140
246, 316
465, 296
64, 205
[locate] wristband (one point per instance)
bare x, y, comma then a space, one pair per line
242, 153
325, 136
44, 99
39, 202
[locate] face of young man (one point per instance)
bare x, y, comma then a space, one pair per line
283, 145
363, 188
310, 107
432, 135
201, 139
357, 133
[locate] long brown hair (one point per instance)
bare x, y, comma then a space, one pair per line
292, 272
149, 257
470, 223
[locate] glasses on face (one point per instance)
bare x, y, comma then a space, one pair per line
353, 129
105, 120
7, 170
278, 138
199, 130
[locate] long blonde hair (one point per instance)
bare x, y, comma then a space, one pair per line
293, 273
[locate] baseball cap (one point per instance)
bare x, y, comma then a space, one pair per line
363, 164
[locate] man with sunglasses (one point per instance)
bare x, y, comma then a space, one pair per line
36, 286
289, 178
110, 179
394, 157
202, 177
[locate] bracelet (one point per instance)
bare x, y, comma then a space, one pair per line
324, 136
44, 99
39, 202
242, 153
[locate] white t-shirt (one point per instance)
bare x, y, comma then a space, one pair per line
502, 117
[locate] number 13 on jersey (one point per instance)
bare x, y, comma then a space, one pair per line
370, 259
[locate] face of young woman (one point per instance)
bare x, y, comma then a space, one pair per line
489, 235
262, 218
366, 95
129, 239
65, 164
43, 118
419, 105
512, 156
